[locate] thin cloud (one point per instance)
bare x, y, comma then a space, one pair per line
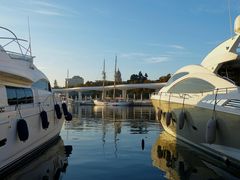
133, 55
175, 46
46, 4
146, 58
55, 9
45, 8
48, 13
156, 60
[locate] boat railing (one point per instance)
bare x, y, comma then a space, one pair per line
15, 44
215, 91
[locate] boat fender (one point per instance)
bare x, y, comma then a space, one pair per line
211, 130
22, 130
58, 111
65, 110
68, 117
181, 119
168, 118
159, 113
44, 119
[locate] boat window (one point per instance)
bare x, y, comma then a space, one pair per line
42, 84
230, 71
175, 77
191, 85
12, 96
29, 95
18, 95
21, 96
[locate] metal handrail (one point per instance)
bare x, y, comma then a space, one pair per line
218, 90
27, 55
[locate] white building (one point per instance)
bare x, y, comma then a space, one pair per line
74, 81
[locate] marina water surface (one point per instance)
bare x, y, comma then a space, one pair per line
119, 143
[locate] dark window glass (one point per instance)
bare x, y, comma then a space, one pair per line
175, 77
18, 95
12, 96
21, 96
191, 85
29, 95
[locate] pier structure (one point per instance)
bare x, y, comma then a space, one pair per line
123, 87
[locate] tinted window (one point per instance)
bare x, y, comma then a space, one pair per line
29, 95
21, 96
42, 84
191, 85
175, 77
18, 95
12, 96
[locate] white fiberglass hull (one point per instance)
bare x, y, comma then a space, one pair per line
226, 145
14, 149
100, 103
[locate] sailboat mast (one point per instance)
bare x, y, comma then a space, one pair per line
104, 79
115, 70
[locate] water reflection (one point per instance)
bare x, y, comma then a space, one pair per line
111, 142
180, 161
108, 120
51, 164
114, 112
138, 117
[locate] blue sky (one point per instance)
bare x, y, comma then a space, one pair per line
153, 36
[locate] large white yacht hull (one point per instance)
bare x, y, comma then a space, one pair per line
25, 93
14, 149
226, 145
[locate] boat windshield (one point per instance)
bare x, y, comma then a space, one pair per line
175, 77
230, 71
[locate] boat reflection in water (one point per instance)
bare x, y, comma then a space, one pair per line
179, 161
137, 118
51, 164
114, 112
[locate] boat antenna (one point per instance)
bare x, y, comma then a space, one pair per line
29, 37
230, 18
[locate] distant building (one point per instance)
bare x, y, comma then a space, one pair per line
118, 76
74, 81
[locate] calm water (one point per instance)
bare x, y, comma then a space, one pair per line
118, 143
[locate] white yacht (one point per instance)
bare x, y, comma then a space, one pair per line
200, 104
30, 117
